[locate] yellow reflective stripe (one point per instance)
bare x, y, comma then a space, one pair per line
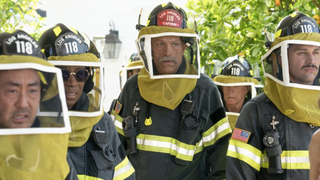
117, 121
85, 177
166, 145
217, 131
245, 152
200, 147
113, 115
291, 160
123, 170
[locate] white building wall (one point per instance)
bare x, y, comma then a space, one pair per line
93, 17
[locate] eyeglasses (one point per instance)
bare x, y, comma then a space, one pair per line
81, 76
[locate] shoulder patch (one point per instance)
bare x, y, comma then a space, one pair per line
241, 135
118, 107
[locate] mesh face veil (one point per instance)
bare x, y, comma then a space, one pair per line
96, 94
52, 116
34, 120
293, 51
291, 68
66, 47
74, 52
293, 63
168, 48
236, 71
236, 85
132, 68
19, 51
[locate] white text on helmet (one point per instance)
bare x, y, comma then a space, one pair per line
238, 65
22, 36
60, 41
170, 12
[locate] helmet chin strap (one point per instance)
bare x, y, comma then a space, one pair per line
139, 26
189, 42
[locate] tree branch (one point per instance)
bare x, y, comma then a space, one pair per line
23, 13
4, 10
315, 2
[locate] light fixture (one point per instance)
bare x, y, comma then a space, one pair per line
112, 43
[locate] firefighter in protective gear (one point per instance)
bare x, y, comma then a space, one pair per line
33, 135
94, 145
314, 156
169, 117
236, 85
133, 67
134, 61
272, 134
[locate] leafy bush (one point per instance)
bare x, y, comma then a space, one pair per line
20, 14
230, 27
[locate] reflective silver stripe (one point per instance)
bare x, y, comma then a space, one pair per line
118, 124
295, 159
212, 135
123, 170
200, 147
160, 144
291, 160
200, 143
113, 117
244, 152
293, 156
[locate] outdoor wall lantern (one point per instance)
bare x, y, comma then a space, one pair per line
112, 43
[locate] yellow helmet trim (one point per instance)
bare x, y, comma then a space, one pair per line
278, 33
57, 31
293, 14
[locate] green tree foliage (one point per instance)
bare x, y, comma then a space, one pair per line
19, 14
230, 27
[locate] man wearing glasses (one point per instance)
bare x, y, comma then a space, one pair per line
74, 78
94, 145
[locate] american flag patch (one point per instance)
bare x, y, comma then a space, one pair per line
118, 107
240, 135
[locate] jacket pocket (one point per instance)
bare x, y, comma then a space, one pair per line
105, 167
188, 136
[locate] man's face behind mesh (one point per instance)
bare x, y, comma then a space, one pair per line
304, 61
167, 52
19, 98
